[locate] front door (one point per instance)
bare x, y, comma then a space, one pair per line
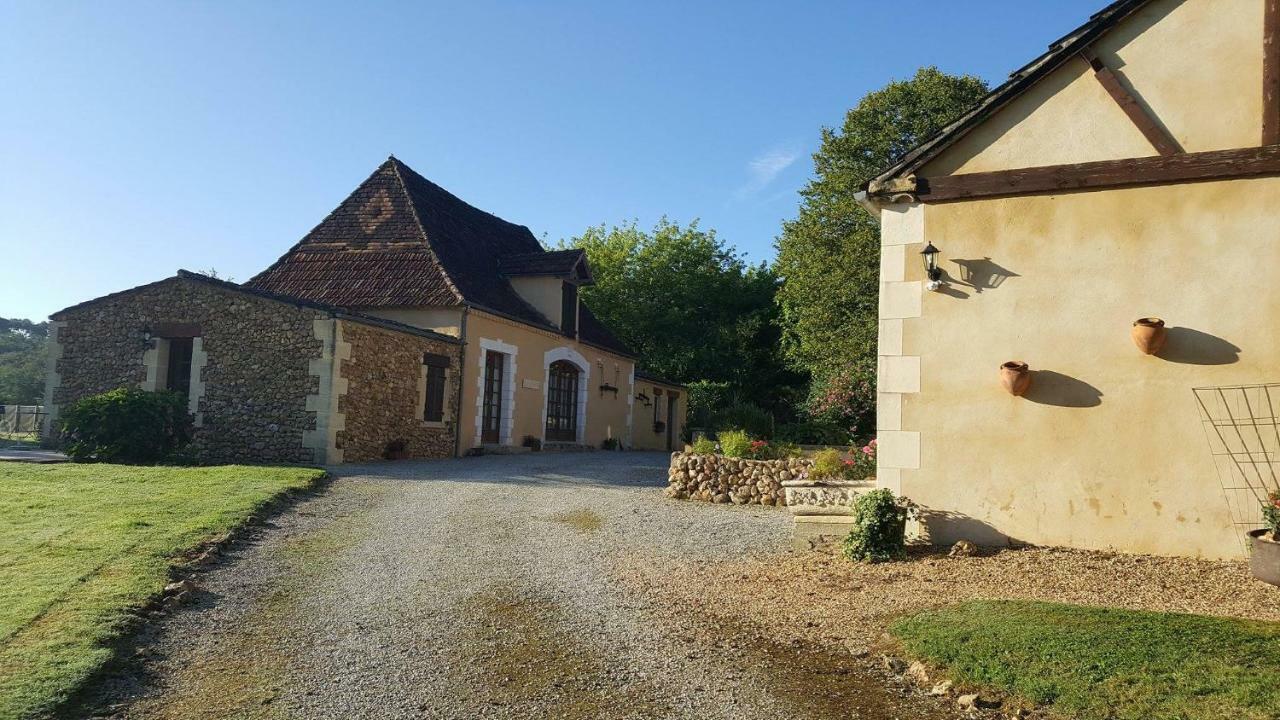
562, 402
491, 416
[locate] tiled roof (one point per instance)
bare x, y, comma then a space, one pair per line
400, 240
556, 262
335, 311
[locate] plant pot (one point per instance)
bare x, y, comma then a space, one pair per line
1149, 334
1015, 376
1264, 558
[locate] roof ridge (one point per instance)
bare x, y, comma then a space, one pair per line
464, 221
413, 210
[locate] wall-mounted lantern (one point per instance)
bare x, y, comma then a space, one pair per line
644, 399
930, 256
146, 337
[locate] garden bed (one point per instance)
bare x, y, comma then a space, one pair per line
85, 547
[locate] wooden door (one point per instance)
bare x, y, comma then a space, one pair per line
491, 416
562, 402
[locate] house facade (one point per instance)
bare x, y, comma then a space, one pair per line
452, 331
1131, 171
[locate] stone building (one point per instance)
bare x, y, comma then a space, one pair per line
1131, 171
406, 324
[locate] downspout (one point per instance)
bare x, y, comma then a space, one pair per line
462, 371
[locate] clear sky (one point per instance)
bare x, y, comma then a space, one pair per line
138, 138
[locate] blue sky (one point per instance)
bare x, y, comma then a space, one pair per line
137, 138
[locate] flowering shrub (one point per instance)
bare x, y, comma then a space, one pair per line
738, 444
846, 399
1271, 514
831, 464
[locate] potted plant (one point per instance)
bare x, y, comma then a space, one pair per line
1015, 376
1264, 560
1149, 334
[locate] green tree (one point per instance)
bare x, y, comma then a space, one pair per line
828, 257
690, 306
22, 361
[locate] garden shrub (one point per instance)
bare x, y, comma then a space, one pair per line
126, 425
735, 443
812, 432
704, 446
746, 417
610, 443
531, 442
1271, 514
706, 397
880, 528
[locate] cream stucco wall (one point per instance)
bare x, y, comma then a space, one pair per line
442, 320
1107, 450
644, 437
607, 413
545, 294
1195, 64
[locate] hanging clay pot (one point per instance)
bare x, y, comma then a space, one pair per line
1149, 334
1015, 375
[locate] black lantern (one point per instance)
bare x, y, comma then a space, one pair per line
930, 255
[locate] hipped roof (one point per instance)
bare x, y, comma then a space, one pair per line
400, 240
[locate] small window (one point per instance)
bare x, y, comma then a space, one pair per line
569, 309
178, 372
436, 367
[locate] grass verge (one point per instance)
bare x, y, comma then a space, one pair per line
83, 547
1097, 663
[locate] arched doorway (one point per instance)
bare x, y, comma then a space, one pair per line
562, 402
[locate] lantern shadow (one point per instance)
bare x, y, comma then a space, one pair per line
982, 274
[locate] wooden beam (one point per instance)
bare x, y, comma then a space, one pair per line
1146, 122
1155, 170
1271, 72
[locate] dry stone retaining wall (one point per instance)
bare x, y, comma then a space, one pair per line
721, 479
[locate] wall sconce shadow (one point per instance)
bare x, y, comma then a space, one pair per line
1054, 388
983, 274
1193, 347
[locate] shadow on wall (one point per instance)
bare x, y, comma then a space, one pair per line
945, 527
978, 275
1192, 347
1054, 388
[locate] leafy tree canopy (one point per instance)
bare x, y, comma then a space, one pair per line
828, 257
22, 361
690, 306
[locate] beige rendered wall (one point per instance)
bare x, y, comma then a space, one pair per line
1107, 449
1195, 64
545, 294
644, 437
530, 351
442, 320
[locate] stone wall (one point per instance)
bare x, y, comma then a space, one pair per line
383, 399
716, 478
255, 379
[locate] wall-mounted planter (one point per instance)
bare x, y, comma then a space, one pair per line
1149, 334
1015, 376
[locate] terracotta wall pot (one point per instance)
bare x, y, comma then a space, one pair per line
1015, 375
1149, 334
1264, 560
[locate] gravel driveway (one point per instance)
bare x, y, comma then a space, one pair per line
486, 587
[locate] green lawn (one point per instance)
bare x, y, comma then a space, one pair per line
81, 546
1106, 663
